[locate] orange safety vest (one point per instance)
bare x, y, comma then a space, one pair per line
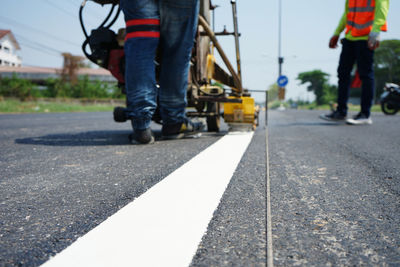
360, 17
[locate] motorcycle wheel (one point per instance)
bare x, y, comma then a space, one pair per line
387, 108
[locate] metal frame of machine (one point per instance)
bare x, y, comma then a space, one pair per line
206, 98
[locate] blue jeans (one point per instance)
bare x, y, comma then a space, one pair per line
170, 25
356, 52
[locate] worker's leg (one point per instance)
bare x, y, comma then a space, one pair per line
142, 37
365, 62
346, 63
178, 28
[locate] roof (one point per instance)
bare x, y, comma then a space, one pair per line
33, 69
8, 32
41, 74
3, 33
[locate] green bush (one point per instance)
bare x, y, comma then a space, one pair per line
329, 94
84, 88
54, 88
276, 104
116, 92
20, 88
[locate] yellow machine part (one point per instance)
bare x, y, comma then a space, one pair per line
210, 66
240, 112
211, 90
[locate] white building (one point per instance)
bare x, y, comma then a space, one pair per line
8, 50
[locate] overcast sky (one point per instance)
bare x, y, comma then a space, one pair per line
46, 28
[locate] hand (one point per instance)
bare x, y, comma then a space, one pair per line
333, 41
373, 40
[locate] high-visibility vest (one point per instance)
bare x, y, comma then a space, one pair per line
360, 17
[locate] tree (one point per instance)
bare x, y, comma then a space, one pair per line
71, 67
318, 83
329, 94
273, 92
387, 64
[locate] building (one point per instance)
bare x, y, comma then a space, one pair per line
8, 49
39, 75
11, 65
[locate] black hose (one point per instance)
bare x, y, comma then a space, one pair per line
104, 21
114, 19
81, 20
86, 42
84, 45
107, 18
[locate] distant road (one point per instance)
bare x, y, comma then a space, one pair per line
334, 190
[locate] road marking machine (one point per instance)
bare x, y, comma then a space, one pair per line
212, 92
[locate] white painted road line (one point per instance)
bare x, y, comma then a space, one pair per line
270, 254
164, 226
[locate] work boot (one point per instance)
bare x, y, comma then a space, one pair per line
360, 118
141, 137
333, 116
187, 129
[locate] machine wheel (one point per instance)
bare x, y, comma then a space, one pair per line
213, 122
257, 119
119, 114
388, 109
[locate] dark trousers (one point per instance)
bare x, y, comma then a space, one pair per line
356, 52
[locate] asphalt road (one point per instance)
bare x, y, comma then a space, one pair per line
334, 188
335, 191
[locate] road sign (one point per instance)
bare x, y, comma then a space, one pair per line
282, 81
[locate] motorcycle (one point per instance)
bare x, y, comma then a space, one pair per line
390, 99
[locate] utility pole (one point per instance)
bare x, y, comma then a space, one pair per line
282, 80
280, 58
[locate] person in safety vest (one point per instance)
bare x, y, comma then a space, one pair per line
363, 21
170, 25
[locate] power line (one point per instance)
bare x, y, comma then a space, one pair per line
61, 9
75, 16
41, 50
78, 4
38, 44
71, 3
40, 31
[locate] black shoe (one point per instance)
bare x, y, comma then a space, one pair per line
141, 137
333, 116
187, 129
359, 119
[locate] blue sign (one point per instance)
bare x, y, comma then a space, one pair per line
283, 81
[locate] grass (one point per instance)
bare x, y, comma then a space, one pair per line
74, 105
47, 106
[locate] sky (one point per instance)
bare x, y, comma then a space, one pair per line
47, 28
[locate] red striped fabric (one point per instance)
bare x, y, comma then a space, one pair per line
139, 33
142, 34
134, 22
